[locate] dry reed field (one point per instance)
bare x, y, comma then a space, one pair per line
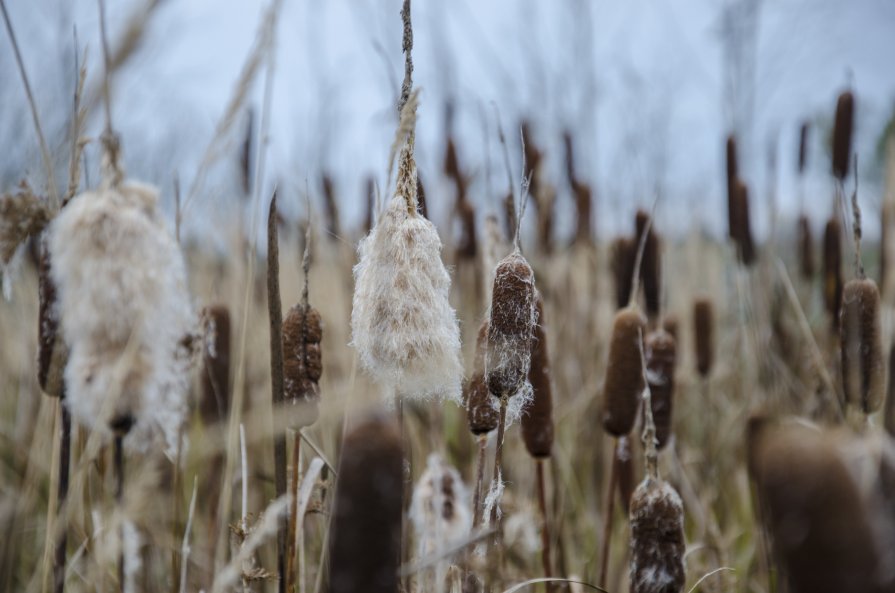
399, 407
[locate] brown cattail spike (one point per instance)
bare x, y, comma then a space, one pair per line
510, 328
833, 268
743, 229
481, 415
661, 354
624, 471
623, 254
52, 353
842, 133
820, 528
704, 335
889, 413
863, 365
650, 266
657, 539
732, 174
333, 226
624, 373
806, 249
365, 545
215, 403
537, 419
302, 363
803, 147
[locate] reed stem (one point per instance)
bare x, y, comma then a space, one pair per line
64, 461
608, 519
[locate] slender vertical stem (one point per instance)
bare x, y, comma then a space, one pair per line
64, 460
498, 458
119, 501
480, 474
545, 529
293, 515
608, 519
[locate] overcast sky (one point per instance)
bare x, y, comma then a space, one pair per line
645, 85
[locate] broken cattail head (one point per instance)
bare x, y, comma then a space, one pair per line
657, 539
703, 333
512, 321
52, 353
842, 134
302, 359
537, 418
661, 354
624, 373
863, 364
481, 414
623, 254
650, 265
215, 403
833, 268
806, 249
365, 544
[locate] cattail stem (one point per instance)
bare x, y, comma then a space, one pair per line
608, 519
293, 514
545, 530
498, 458
479, 476
119, 501
650, 452
62, 495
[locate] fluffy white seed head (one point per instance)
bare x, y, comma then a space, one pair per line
402, 324
440, 508
125, 312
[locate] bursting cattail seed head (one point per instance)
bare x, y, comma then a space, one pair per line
833, 268
537, 418
623, 254
657, 539
661, 354
704, 335
365, 544
863, 365
806, 248
52, 352
624, 373
215, 403
842, 134
402, 323
439, 507
511, 325
650, 265
481, 413
302, 363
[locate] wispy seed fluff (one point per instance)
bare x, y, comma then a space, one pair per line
440, 508
125, 312
402, 324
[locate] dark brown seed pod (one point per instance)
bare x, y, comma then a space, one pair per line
806, 248
624, 373
818, 522
743, 230
661, 353
833, 268
481, 414
467, 247
583, 208
863, 365
510, 328
52, 353
537, 419
704, 335
650, 264
365, 545
732, 174
657, 539
451, 165
624, 471
302, 364
215, 403
842, 133
333, 226
803, 147
623, 253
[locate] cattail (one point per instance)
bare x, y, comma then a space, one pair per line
660, 351
624, 472
833, 268
581, 192
657, 539
863, 366
537, 418
624, 373
481, 414
302, 359
509, 209
365, 545
215, 403
467, 248
732, 175
246, 152
370, 196
703, 334
842, 133
806, 248
333, 226
650, 265
820, 528
402, 323
124, 311
743, 230
513, 316
439, 507
803, 146
889, 413
623, 254
22, 215
52, 352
